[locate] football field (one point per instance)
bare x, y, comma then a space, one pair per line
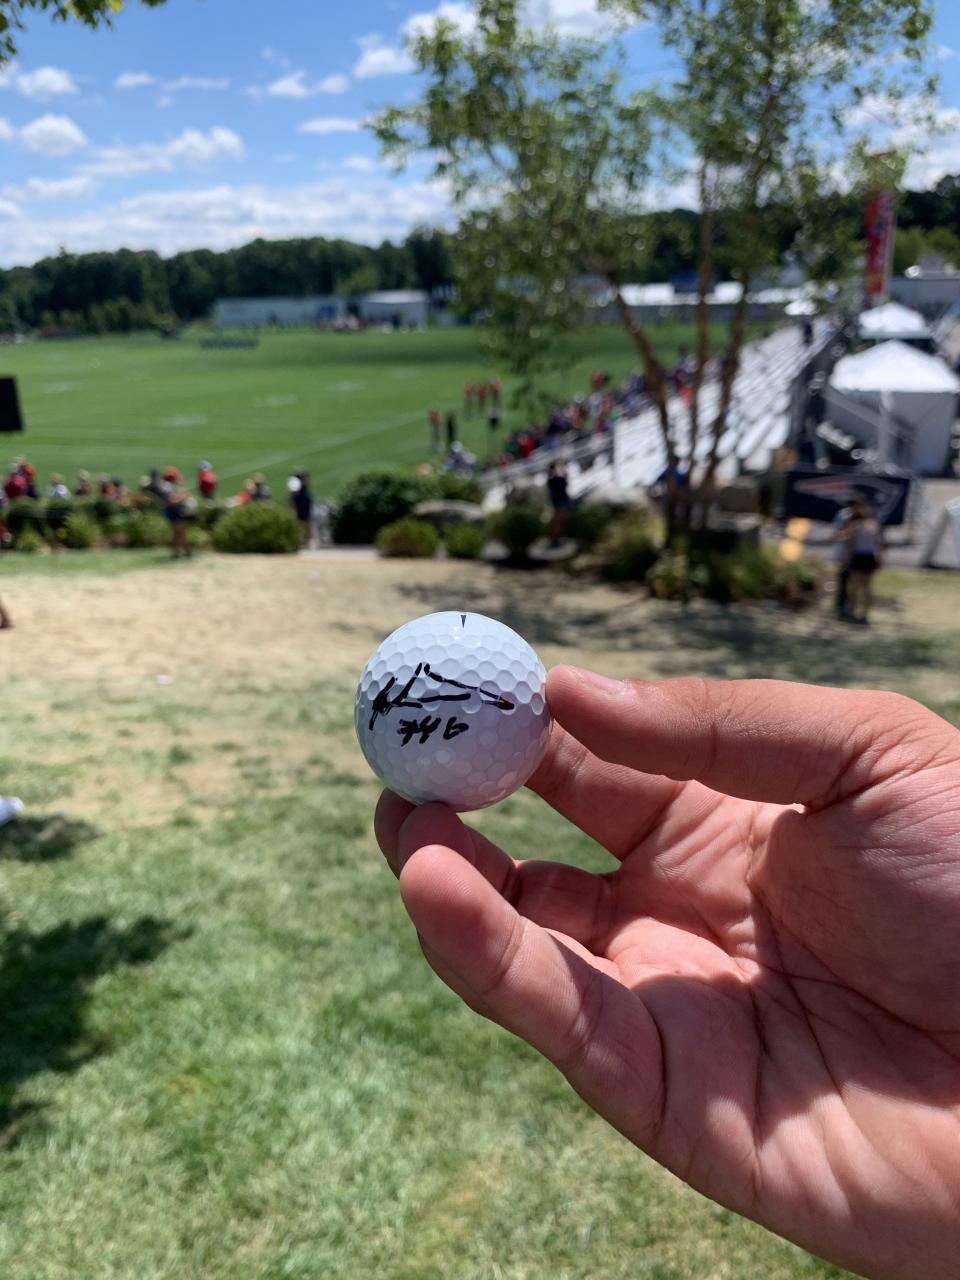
332, 402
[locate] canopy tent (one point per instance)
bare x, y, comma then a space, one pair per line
893, 321
915, 393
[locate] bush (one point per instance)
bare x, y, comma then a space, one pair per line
676, 576
141, 529
517, 528
80, 532
29, 541
104, 508
197, 539
464, 541
457, 488
408, 537
58, 513
374, 499
258, 527
587, 522
796, 582
742, 575
209, 513
629, 551
23, 514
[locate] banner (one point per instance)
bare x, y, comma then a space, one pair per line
879, 227
820, 494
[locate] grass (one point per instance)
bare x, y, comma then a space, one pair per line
331, 402
221, 1055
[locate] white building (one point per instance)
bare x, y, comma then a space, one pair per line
394, 306
286, 313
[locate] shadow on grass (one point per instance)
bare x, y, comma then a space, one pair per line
45, 982
702, 639
43, 839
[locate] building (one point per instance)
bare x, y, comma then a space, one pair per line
285, 313
930, 287
406, 307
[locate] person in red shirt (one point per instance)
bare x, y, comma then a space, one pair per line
15, 485
481, 395
435, 424
468, 393
495, 393
207, 480
107, 488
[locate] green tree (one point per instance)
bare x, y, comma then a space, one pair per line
549, 152
93, 13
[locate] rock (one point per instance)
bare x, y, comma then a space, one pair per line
443, 512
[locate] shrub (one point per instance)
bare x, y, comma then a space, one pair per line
258, 527
676, 576
628, 551
58, 513
464, 541
209, 513
142, 529
517, 528
374, 499
197, 539
104, 508
80, 532
457, 488
29, 541
23, 514
746, 574
796, 582
587, 522
408, 537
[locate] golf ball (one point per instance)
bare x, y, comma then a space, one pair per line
451, 707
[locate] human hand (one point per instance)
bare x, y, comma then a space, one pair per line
765, 994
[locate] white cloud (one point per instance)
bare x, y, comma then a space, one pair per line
368, 210
7, 131
461, 16
360, 164
567, 17
377, 58
8, 72
134, 80
296, 85
45, 82
53, 136
201, 83
192, 147
929, 132
8, 209
325, 125
52, 189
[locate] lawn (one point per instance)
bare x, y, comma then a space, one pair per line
332, 402
221, 1055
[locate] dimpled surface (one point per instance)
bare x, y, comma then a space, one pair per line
468, 743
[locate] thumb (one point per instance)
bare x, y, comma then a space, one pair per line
758, 739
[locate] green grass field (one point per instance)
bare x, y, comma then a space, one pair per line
332, 402
221, 1054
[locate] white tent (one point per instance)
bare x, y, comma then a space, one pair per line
917, 392
893, 321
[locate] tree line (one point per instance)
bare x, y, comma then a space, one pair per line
126, 290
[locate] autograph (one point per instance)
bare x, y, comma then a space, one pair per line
421, 730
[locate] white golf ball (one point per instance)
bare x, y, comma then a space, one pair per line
451, 707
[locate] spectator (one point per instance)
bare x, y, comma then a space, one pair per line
153, 484
261, 490
451, 430
177, 500
57, 488
207, 481
435, 425
459, 460
15, 485
83, 488
469, 393
495, 390
29, 473
120, 490
559, 500
865, 555
839, 531
301, 501
105, 486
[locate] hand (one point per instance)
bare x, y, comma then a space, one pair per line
765, 994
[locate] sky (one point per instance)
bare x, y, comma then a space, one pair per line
211, 122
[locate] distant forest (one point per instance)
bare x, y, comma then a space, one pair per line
126, 290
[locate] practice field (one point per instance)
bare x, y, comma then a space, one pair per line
334, 403
221, 1055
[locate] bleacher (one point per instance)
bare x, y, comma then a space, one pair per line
758, 422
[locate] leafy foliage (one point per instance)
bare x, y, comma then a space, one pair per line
517, 527
464, 541
628, 551
80, 532
258, 527
408, 537
376, 498
93, 13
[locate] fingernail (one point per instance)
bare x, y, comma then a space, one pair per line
606, 684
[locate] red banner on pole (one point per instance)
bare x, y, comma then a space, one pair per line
879, 224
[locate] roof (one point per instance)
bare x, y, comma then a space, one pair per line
893, 366
893, 321
396, 297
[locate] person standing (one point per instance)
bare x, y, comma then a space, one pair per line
207, 481
261, 490
839, 530
865, 546
559, 500
176, 500
451, 428
301, 500
468, 393
435, 423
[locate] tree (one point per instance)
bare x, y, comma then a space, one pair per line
549, 152
93, 13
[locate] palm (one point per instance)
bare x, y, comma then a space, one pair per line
763, 998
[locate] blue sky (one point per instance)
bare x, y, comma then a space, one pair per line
192, 125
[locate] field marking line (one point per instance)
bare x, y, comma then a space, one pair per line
271, 460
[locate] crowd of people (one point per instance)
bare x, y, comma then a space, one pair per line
171, 494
